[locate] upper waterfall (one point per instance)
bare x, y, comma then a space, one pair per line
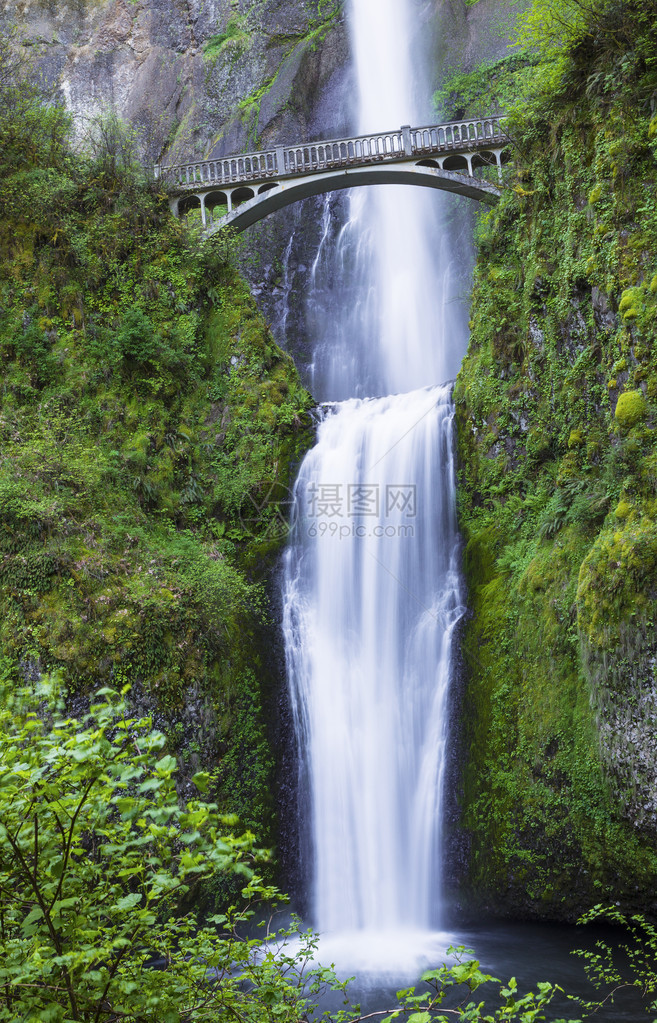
400, 327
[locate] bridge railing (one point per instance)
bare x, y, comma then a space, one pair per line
228, 169
459, 135
335, 153
342, 152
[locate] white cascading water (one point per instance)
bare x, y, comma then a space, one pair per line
371, 582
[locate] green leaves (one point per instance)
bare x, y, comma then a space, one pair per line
94, 854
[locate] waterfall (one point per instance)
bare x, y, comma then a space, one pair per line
371, 589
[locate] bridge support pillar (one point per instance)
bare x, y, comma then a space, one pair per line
406, 136
498, 160
280, 159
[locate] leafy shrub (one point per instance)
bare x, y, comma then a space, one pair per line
136, 339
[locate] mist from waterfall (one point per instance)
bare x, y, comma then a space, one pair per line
371, 589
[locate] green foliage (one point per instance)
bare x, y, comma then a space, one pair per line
558, 500
631, 963
489, 88
145, 412
96, 856
31, 133
236, 39
464, 974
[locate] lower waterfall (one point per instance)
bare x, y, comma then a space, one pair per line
372, 594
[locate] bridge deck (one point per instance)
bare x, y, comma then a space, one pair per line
467, 136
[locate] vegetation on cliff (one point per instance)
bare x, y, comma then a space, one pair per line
149, 424
557, 413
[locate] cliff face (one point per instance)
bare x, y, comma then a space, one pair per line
558, 498
194, 77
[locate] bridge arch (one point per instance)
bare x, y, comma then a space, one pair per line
188, 203
277, 195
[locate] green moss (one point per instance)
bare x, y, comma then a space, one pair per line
631, 408
234, 41
560, 519
631, 303
622, 510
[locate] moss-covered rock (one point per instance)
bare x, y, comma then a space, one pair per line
631, 408
560, 787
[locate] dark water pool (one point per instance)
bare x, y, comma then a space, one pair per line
381, 964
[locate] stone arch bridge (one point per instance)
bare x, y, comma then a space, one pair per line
240, 190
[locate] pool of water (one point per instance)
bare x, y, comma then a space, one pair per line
381, 964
